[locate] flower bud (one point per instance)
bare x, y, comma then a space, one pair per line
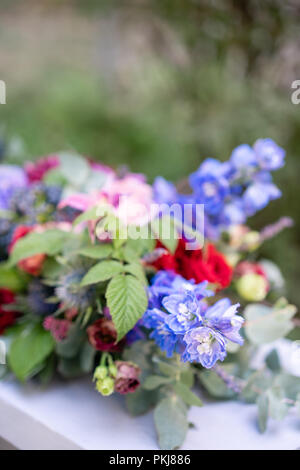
100, 373
127, 379
105, 386
252, 287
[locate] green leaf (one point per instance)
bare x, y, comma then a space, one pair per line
256, 383
127, 301
278, 409
265, 324
187, 395
165, 230
11, 278
141, 401
273, 361
263, 412
87, 357
74, 168
49, 242
170, 417
136, 270
69, 347
167, 369
214, 384
90, 214
97, 251
154, 381
28, 350
102, 272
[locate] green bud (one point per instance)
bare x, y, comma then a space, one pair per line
252, 287
100, 373
113, 370
106, 386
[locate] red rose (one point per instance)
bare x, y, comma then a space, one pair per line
33, 264
200, 265
103, 336
7, 317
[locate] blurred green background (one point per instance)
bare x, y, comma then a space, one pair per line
158, 85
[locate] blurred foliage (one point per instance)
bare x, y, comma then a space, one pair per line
168, 117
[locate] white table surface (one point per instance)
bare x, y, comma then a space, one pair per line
72, 415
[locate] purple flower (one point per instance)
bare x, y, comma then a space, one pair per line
12, 178
204, 345
269, 155
222, 317
164, 192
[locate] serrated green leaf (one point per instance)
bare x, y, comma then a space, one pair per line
265, 324
136, 270
102, 271
170, 417
187, 395
154, 381
127, 301
263, 412
28, 351
97, 251
49, 242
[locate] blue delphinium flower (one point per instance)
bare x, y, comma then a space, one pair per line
243, 157
269, 155
185, 312
204, 345
258, 195
182, 321
210, 185
164, 337
12, 178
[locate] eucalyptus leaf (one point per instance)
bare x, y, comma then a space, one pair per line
263, 412
141, 401
154, 381
187, 395
170, 418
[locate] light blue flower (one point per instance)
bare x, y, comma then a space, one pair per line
243, 157
258, 195
269, 155
12, 178
185, 312
210, 190
205, 346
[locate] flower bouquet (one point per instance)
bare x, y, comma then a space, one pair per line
158, 294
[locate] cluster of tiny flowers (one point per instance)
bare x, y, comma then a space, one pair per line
181, 320
230, 191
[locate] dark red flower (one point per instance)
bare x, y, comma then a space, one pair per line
127, 378
36, 170
103, 336
201, 265
7, 317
